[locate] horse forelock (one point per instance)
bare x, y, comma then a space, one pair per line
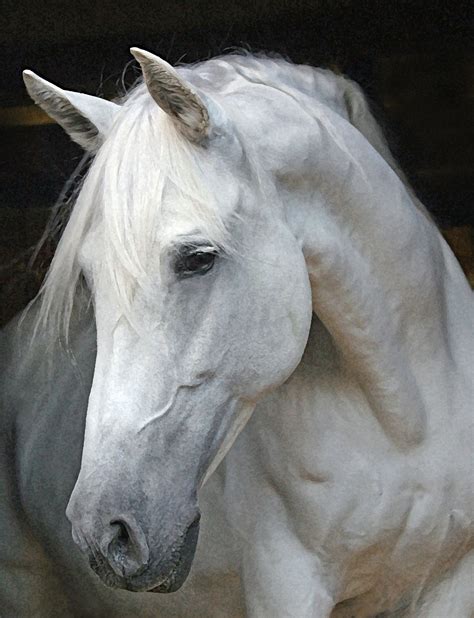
120, 203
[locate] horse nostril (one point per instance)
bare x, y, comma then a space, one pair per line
128, 549
119, 545
121, 537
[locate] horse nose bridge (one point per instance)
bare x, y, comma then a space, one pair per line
135, 349
127, 389
118, 345
104, 487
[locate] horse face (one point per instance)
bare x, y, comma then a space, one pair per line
211, 331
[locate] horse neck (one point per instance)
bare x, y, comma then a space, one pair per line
381, 277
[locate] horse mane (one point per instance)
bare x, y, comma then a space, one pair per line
117, 196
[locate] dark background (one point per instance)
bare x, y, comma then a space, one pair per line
415, 61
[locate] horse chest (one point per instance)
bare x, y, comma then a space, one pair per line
311, 456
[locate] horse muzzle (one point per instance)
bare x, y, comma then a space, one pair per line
123, 559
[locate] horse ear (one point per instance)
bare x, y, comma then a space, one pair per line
86, 119
174, 96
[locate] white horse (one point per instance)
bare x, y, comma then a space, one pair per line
260, 270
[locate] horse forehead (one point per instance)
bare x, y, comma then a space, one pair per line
181, 214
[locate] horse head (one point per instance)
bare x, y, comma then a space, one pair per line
202, 305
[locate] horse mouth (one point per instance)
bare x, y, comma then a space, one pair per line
164, 574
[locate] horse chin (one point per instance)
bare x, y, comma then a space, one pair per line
164, 574
170, 584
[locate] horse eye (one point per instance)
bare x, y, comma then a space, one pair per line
195, 262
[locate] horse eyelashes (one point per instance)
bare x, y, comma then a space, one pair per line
194, 261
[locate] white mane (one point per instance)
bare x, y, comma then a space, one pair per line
144, 155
